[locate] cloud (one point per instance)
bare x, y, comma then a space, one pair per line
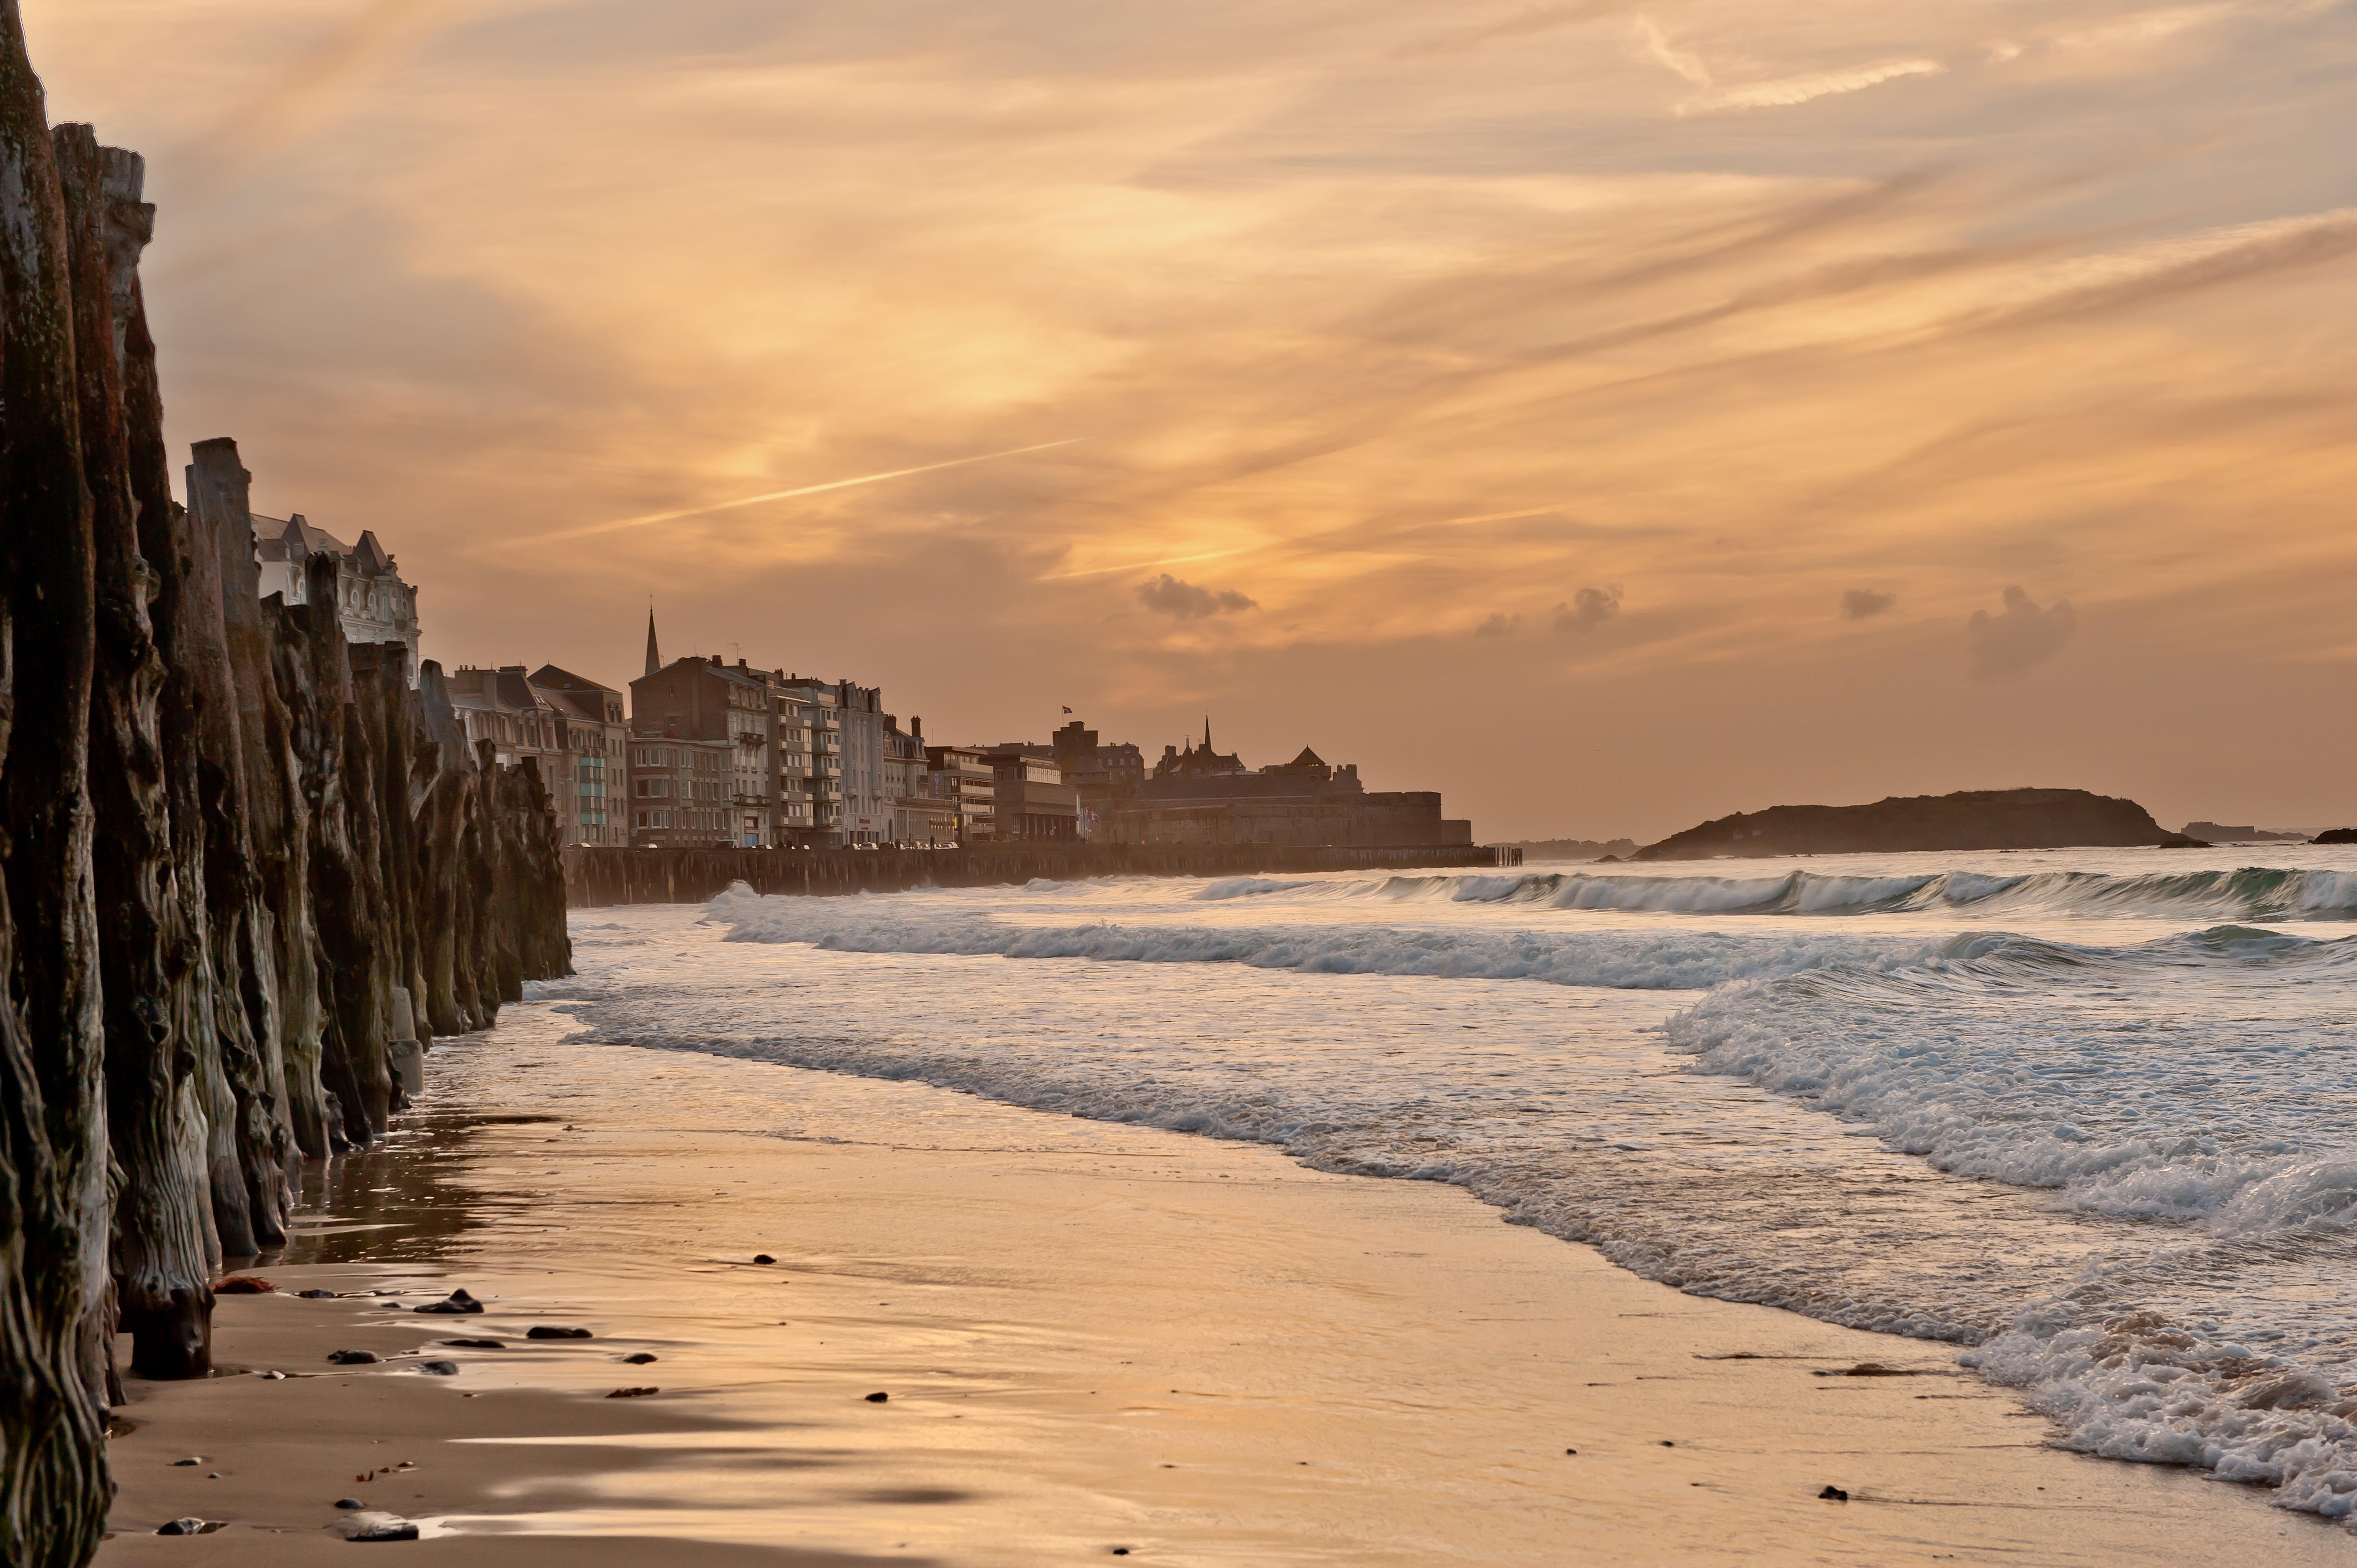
1499, 624
1169, 595
1589, 609
2024, 635
1865, 604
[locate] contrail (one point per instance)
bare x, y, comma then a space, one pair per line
1142, 565
786, 495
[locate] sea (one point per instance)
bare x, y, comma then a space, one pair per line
2089, 1116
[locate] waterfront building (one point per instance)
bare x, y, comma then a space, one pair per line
1030, 799
919, 816
962, 780
1201, 796
371, 601
593, 734
569, 726
703, 754
1107, 777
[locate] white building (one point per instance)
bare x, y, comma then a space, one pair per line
373, 602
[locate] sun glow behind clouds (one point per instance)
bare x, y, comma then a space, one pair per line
1403, 329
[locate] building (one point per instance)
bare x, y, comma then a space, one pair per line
919, 816
569, 726
1107, 777
1200, 796
373, 602
963, 779
1030, 799
704, 769
810, 761
594, 735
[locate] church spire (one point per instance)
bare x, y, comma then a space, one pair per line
1207, 732
654, 655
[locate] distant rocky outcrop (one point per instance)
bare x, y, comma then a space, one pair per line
1968, 819
2336, 835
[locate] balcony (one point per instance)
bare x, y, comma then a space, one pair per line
827, 747
751, 738
753, 800
828, 792
830, 770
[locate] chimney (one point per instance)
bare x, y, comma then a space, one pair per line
916, 726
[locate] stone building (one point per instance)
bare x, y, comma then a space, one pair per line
594, 733
1200, 796
703, 772
1106, 777
570, 726
963, 779
373, 602
919, 816
1030, 799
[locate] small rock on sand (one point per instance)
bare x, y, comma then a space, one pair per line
457, 1301
316, 1295
351, 1357
478, 1344
350, 1503
763, 1258
391, 1530
1835, 1494
244, 1284
439, 1368
186, 1527
191, 1459
632, 1393
878, 1398
641, 1359
549, 1331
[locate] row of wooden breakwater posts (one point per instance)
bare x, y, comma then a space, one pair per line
249, 869
597, 877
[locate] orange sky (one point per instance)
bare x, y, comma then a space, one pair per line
1610, 416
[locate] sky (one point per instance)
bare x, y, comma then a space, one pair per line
1610, 415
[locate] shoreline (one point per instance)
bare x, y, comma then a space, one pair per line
1094, 1336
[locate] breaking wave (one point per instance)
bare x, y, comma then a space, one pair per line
2253, 893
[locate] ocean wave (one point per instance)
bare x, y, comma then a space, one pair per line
1644, 960
2253, 893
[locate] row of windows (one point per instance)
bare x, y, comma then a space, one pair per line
716, 821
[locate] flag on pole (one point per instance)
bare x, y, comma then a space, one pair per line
1068, 710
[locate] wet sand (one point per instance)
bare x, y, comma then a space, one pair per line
1097, 1340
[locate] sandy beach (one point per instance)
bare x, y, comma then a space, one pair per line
1097, 1340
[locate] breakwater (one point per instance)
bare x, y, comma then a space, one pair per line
249, 870
596, 878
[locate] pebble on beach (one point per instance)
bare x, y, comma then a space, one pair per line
478, 1344
351, 1357
244, 1284
763, 1258
457, 1301
878, 1398
549, 1331
350, 1503
1835, 1494
439, 1368
641, 1359
632, 1393
189, 1527
316, 1295
391, 1530
191, 1459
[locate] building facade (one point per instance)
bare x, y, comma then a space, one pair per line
594, 734
963, 782
1030, 799
703, 768
1106, 777
371, 601
1200, 796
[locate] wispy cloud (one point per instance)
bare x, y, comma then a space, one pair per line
1169, 595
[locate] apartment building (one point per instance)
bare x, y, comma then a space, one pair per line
962, 780
809, 760
919, 816
594, 737
704, 754
1029, 799
371, 601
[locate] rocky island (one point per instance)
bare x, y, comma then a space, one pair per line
1969, 819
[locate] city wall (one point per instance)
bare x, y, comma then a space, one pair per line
599, 877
